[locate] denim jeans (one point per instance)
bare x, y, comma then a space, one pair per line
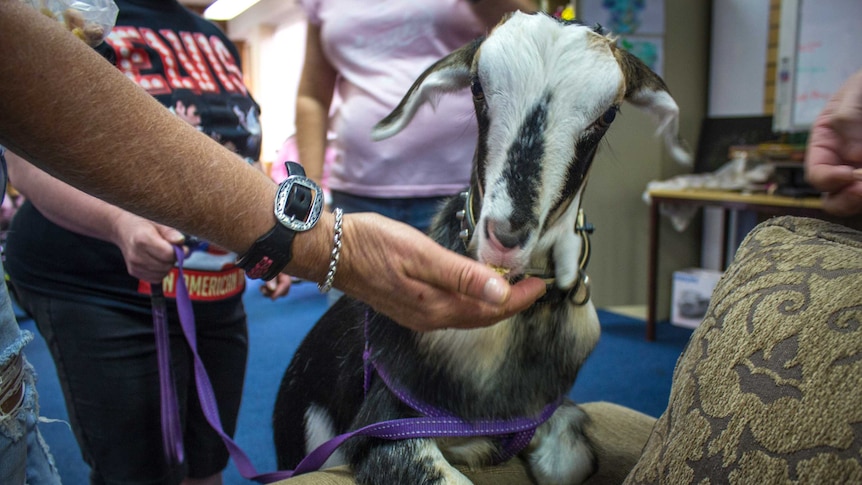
24, 455
415, 211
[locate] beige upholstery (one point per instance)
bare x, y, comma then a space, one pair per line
769, 389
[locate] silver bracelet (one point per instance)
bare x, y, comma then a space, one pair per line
336, 253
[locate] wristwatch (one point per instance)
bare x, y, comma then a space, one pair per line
298, 204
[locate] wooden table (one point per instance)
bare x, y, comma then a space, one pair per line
727, 201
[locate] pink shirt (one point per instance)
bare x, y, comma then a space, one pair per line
379, 49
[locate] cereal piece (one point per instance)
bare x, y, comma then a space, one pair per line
500, 270
93, 35
48, 13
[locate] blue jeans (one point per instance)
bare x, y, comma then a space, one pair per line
24, 455
415, 211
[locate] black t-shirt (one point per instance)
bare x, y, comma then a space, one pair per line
190, 66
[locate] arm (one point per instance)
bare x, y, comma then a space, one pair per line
313, 101
146, 246
491, 11
58, 110
833, 161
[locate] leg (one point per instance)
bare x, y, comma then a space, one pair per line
560, 453
106, 364
407, 461
24, 455
652, 278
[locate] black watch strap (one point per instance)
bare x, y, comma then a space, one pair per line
269, 254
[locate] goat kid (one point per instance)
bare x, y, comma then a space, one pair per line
545, 92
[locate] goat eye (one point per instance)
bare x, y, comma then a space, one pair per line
476, 89
608, 117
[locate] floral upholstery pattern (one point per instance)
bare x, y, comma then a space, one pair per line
769, 388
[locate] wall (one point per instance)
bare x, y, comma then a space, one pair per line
737, 70
273, 32
632, 156
737, 80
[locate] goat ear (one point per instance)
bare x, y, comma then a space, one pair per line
447, 75
646, 90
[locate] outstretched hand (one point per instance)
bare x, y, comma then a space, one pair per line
833, 162
404, 274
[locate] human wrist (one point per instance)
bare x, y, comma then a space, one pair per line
312, 250
298, 205
335, 254
118, 227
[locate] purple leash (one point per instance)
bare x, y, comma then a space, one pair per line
172, 433
517, 437
440, 426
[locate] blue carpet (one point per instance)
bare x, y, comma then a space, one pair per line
624, 369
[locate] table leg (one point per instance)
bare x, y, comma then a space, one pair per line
727, 216
652, 272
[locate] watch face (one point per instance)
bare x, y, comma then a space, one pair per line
298, 203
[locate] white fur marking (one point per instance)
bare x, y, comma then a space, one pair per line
561, 455
451, 476
319, 430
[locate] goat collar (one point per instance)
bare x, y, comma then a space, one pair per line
579, 293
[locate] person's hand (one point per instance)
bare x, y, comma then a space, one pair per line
276, 287
833, 162
404, 274
147, 247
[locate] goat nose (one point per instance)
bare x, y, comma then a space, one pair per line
500, 233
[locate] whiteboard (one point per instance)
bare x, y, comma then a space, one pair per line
820, 46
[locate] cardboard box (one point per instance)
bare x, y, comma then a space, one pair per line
692, 290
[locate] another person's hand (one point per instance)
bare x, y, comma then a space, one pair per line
276, 287
404, 274
833, 163
147, 247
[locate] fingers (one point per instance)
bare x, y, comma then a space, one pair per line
467, 277
824, 171
848, 104
421, 285
846, 202
149, 255
276, 287
834, 156
170, 234
462, 311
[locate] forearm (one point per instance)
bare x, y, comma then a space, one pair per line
491, 11
311, 130
63, 204
116, 149
313, 102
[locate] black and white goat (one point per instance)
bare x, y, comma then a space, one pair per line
545, 92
